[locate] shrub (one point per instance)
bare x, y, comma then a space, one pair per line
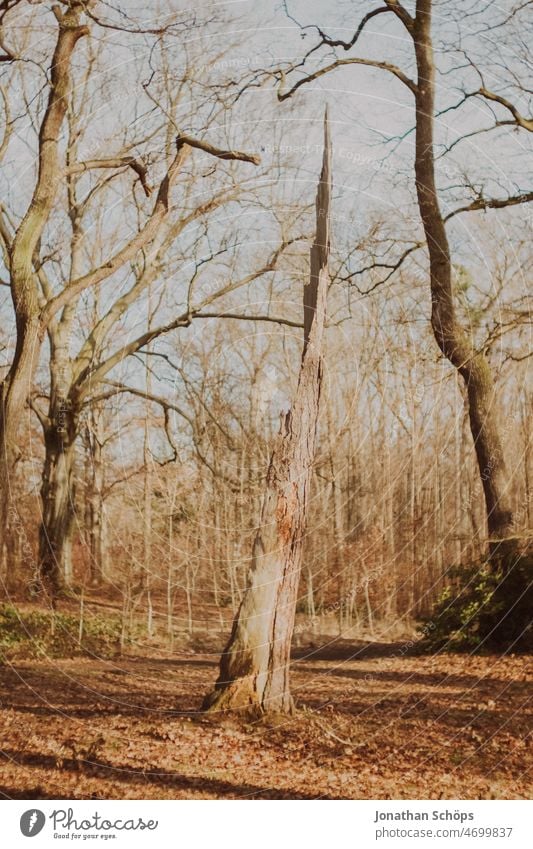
36, 633
485, 607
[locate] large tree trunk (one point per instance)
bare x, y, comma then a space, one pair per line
451, 338
13, 396
58, 505
60, 430
254, 668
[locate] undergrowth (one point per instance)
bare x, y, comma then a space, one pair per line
484, 608
39, 633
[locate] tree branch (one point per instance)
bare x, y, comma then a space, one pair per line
272, 318
148, 396
145, 236
391, 266
151, 261
520, 120
491, 203
118, 162
218, 152
372, 63
347, 45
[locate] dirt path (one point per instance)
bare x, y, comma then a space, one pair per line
372, 724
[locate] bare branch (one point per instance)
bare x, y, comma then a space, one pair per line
148, 396
519, 120
339, 63
392, 266
347, 45
491, 203
218, 152
89, 376
119, 162
273, 318
146, 235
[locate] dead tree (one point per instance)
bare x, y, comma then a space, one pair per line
254, 668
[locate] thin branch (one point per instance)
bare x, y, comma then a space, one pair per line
119, 388
519, 120
89, 376
347, 45
372, 63
394, 266
272, 318
118, 162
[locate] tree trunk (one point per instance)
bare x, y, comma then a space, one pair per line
58, 505
60, 428
13, 397
254, 668
94, 514
147, 514
450, 336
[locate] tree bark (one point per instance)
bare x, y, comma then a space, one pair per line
58, 501
254, 668
451, 338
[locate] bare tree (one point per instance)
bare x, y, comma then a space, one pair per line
22, 246
39, 308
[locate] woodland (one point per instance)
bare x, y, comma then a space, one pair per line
266, 431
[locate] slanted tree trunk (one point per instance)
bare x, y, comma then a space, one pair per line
254, 668
451, 338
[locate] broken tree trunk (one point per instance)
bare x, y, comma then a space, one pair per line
254, 668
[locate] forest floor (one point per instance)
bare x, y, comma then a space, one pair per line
372, 722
